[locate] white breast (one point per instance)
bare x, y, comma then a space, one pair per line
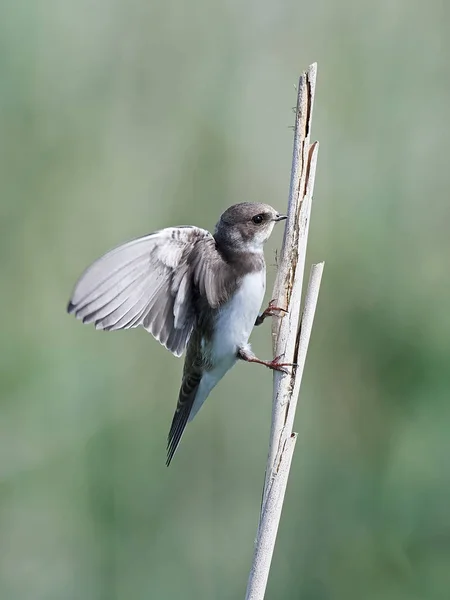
237, 317
234, 325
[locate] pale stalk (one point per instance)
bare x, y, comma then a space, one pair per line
290, 340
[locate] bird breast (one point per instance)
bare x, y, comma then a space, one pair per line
236, 319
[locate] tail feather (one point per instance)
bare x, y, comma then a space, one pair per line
186, 398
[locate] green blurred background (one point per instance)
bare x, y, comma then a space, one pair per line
119, 117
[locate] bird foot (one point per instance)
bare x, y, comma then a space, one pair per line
274, 364
271, 311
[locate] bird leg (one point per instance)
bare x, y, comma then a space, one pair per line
275, 364
271, 311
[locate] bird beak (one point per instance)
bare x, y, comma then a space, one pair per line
280, 218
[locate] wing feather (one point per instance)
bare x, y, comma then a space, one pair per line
102, 307
127, 302
151, 282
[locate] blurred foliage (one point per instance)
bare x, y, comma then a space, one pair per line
120, 117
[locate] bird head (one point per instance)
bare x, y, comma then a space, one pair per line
245, 227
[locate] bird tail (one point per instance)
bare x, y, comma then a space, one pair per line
186, 399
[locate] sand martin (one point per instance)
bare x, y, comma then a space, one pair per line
192, 291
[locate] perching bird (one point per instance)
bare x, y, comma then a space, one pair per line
191, 290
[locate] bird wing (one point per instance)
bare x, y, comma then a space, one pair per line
151, 281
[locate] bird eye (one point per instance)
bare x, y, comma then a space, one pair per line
258, 219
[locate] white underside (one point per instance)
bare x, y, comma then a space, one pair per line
234, 325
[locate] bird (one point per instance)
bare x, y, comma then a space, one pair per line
194, 291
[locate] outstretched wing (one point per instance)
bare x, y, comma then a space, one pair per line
151, 281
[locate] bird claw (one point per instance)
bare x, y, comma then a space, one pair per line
272, 310
280, 369
276, 365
